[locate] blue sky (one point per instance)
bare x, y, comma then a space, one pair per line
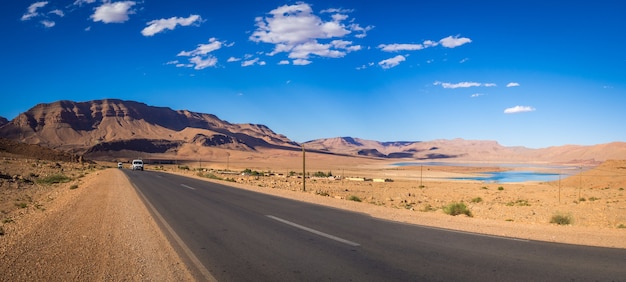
523, 73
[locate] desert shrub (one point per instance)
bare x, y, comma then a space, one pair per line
230, 180
582, 199
354, 198
1, 231
484, 188
53, 179
322, 193
183, 167
477, 200
322, 174
248, 171
621, 189
21, 205
561, 219
593, 199
621, 226
457, 209
210, 176
428, 208
73, 187
500, 188
522, 203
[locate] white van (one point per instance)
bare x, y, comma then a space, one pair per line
137, 165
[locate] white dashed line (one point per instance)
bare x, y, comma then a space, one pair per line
315, 231
188, 187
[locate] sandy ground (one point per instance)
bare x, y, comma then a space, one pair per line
95, 227
99, 231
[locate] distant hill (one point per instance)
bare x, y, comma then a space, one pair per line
3, 121
111, 125
471, 150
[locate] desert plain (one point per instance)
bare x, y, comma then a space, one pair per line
93, 211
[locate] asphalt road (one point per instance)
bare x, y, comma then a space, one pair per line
230, 234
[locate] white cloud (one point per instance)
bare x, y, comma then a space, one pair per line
407, 47
519, 109
48, 23
160, 25
203, 49
512, 84
298, 31
454, 41
81, 2
391, 62
113, 12
301, 62
254, 61
57, 12
201, 57
233, 59
464, 84
283, 62
476, 95
463, 60
32, 10
202, 62
400, 47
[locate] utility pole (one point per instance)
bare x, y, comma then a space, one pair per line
303, 170
580, 186
559, 186
421, 169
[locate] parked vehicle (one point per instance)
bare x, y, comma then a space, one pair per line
120, 165
137, 165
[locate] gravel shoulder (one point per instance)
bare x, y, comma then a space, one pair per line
99, 231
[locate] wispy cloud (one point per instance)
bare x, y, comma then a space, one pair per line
454, 41
157, 26
476, 95
201, 58
512, 84
392, 62
31, 12
299, 32
81, 2
116, 12
48, 23
464, 84
396, 47
519, 109
255, 61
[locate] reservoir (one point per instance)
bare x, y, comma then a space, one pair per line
518, 173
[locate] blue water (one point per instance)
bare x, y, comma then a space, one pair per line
511, 176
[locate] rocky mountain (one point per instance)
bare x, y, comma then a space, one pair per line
3, 121
111, 127
116, 125
470, 150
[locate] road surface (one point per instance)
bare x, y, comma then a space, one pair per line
231, 234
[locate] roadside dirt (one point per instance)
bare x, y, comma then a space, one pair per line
99, 231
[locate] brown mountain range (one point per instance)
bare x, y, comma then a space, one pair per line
470, 150
111, 127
